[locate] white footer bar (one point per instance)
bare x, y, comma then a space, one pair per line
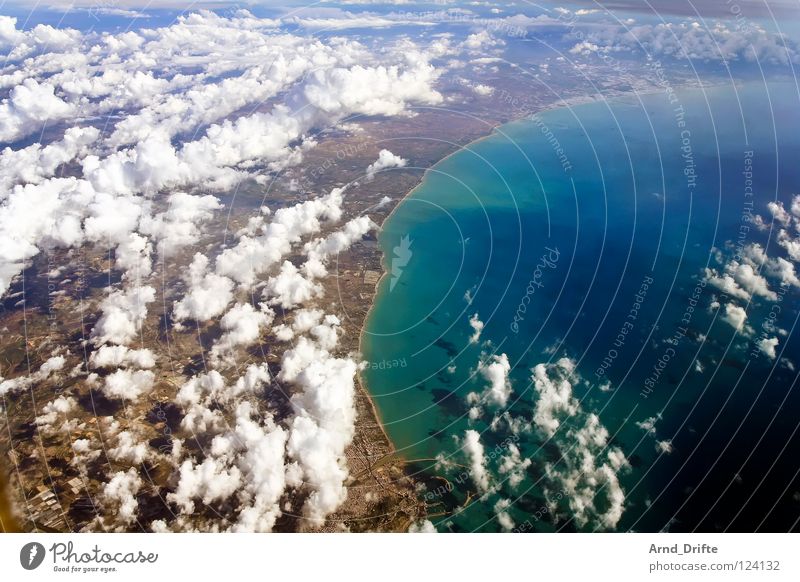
408, 557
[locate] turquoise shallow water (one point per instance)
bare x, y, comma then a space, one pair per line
551, 230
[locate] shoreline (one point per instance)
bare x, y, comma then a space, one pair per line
569, 103
363, 331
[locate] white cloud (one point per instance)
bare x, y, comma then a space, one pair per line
386, 159
350, 21
128, 449
248, 461
165, 74
210, 481
482, 90
740, 280
588, 469
133, 258
767, 346
553, 385
49, 369
471, 445
253, 256
116, 356
242, 326
322, 427
120, 494
128, 384
779, 213
289, 288
28, 107
424, 526
178, 226
35, 163
477, 328
735, 316
664, 447
481, 41
123, 315
261, 459
173, 100
514, 466
790, 244
690, 40
648, 425
503, 517
292, 287
207, 295
53, 411
200, 397
319, 250
495, 371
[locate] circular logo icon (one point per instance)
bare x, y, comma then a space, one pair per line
31, 555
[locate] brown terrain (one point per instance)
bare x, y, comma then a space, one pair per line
52, 493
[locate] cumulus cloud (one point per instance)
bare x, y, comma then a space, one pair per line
767, 346
128, 384
323, 424
477, 328
752, 8
495, 371
690, 40
242, 326
480, 42
648, 425
290, 288
553, 385
380, 90
588, 467
207, 295
386, 160
319, 250
49, 369
472, 447
128, 449
179, 225
253, 256
503, 517
779, 213
209, 390
664, 447
735, 316
35, 163
55, 410
323, 83
209, 481
123, 312
424, 526
247, 460
482, 90
117, 356
119, 495
740, 280
513, 466
28, 107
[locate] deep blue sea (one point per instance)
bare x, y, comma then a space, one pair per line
552, 230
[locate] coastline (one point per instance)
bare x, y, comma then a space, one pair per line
362, 332
391, 453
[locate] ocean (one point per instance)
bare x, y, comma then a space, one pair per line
569, 252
